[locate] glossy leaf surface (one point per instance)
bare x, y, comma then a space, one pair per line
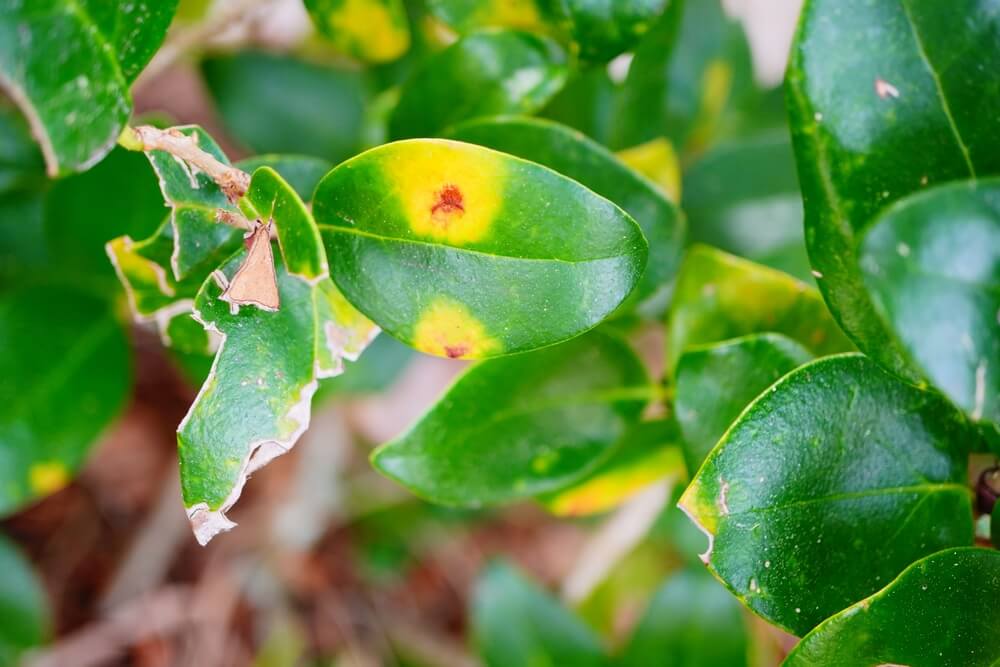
460, 251
374, 31
602, 30
810, 510
522, 425
940, 612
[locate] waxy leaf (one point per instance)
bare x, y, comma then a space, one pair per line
483, 74
932, 265
886, 97
256, 401
68, 65
715, 382
719, 296
941, 611
461, 251
827, 486
515, 624
53, 405
522, 425
374, 31
24, 613
693, 621
592, 165
602, 30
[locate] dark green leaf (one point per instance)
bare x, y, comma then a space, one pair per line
374, 31
602, 30
932, 265
68, 65
54, 403
586, 103
827, 486
715, 382
885, 98
21, 163
278, 104
592, 165
692, 621
459, 251
301, 172
940, 612
522, 425
483, 74
24, 613
517, 625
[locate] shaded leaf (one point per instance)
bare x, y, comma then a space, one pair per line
656, 160
465, 16
24, 613
586, 103
374, 31
827, 486
458, 251
21, 163
522, 425
602, 30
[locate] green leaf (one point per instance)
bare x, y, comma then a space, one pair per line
885, 98
483, 74
590, 164
940, 612
57, 400
465, 16
586, 103
522, 425
23, 250
24, 612
647, 453
743, 196
256, 401
601, 30
374, 31
719, 296
691, 621
515, 624
715, 382
21, 163
68, 65
458, 251
932, 266
278, 104
827, 486
302, 172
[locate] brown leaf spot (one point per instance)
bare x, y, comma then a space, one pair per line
456, 351
449, 205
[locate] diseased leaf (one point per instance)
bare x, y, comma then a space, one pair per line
828, 486
522, 425
514, 624
940, 612
719, 296
374, 31
932, 267
483, 74
656, 160
715, 382
24, 613
647, 453
51, 412
465, 16
256, 401
68, 65
886, 97
691, 621
459, 251
590, 164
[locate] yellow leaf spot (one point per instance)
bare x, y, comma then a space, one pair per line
447, 329
716, 85
449, 191
48, 477
657, 161
369, 29
521, 14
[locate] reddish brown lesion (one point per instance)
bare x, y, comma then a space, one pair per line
448, 204
456, 351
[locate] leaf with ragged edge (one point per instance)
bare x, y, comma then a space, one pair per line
68, 65
828, 485
24, 612
522, 425
715, 382
373, 31
516, 624
461, 251
719, 296
279, 104
51, 412
885, 98
941, 611
601, 30
256, 401
932, 267
590, 164
647, 453
482, 74
691, 621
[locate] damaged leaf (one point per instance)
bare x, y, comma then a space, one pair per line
828, 486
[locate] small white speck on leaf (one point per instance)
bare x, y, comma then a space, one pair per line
816, 274
885, 90
903, 249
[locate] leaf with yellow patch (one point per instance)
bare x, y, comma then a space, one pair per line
374, 31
